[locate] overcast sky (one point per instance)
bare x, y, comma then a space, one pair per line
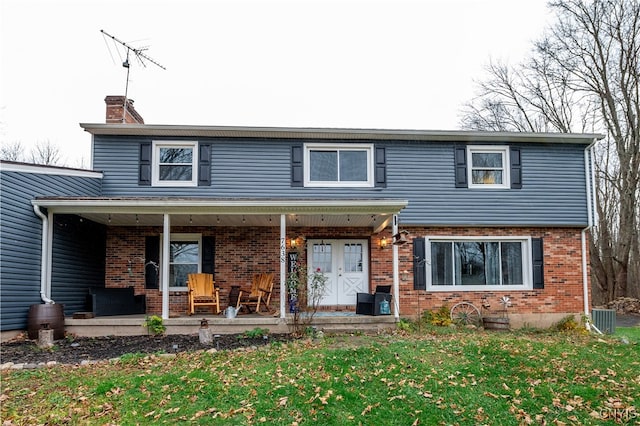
389, 64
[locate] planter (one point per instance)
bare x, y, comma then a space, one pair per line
50, 314
495, 323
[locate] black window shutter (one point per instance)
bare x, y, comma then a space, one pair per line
419, 270
297, 163
151, 261
460, 155
204, 164
144, 175
538, 263
208, 255
381, 167
516, 168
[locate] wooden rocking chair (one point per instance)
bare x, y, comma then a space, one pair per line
261, 289
203, 292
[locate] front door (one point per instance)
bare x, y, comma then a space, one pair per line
345, 264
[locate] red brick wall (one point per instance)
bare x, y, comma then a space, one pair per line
562, 293
242, 252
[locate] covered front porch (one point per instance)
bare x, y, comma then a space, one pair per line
131, 325
233, 239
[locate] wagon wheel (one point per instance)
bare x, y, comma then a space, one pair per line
465, 313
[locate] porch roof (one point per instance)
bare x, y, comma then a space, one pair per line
131, 211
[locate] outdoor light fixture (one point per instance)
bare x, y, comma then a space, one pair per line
293, 242
383, 242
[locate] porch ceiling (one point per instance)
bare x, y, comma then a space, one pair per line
371, 213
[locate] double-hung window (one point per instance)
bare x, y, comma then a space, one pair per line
175, 163
488, 166
339, 165
478, 263
184, 259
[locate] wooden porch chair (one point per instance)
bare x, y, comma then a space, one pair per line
203, 292
260, 294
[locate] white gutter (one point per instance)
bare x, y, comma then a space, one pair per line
45, 285
590, 185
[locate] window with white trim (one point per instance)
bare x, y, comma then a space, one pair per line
478, 263
175, 163
338, 165
488, 166
185, 253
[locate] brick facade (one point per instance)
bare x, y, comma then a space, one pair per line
241, 252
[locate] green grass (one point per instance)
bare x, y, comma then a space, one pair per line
436, 377
631, 333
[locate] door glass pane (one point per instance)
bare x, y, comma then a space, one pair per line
352, 257
512, 263
441, 264
353, 166
323, 166
321, 257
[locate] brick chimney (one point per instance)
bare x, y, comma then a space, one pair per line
116, 113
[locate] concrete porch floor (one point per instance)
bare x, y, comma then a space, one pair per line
130, 325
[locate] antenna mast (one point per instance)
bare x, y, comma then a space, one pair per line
142, 57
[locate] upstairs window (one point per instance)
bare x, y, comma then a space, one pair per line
338, 165
488, 167
175, 164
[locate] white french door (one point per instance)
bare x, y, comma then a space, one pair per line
346, 265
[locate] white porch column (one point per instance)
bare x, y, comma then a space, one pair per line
283, 265
396, 274
166, 243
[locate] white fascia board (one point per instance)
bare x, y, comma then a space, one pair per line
334, 133
47, 170
149, 206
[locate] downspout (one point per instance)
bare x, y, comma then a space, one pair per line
396, 275
590, 184
44, 264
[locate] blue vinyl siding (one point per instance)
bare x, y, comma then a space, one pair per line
21, 238
78, 260
553, 190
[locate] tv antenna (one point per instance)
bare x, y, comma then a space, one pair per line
142, 58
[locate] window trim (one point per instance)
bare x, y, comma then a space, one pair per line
194, 237
155, 164
506, 167
527, 263
368, 148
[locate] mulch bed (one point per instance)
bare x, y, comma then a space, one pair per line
76, 350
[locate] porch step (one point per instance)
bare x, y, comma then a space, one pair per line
131, 325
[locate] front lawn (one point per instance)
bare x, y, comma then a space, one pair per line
437, 377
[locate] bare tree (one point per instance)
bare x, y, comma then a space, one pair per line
46, 153
584, 75
12, 152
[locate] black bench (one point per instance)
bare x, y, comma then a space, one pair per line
369, 304
104, 301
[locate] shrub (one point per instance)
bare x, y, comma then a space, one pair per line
154, 324
567, 323
440, 317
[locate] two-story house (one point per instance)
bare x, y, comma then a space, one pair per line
441, 216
